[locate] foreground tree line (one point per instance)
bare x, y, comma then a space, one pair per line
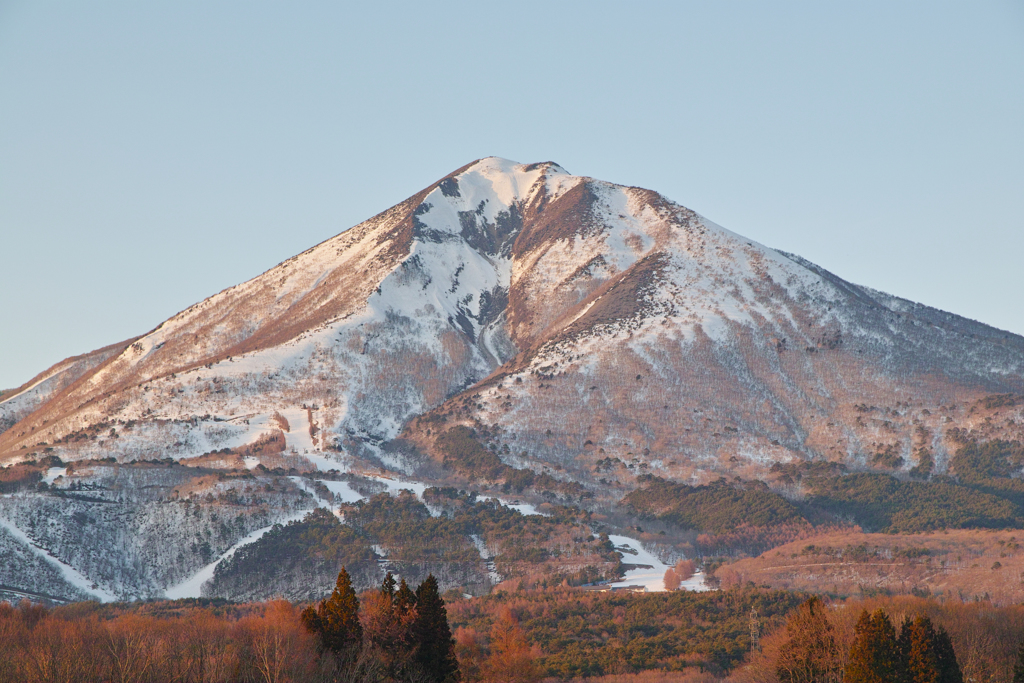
934, 643
395, 633
398, 635
919, 654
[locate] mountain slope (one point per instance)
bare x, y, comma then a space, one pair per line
585, 333
532, 272
18, 403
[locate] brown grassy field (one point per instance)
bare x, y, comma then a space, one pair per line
963, 565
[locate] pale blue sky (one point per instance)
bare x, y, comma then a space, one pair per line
153, 153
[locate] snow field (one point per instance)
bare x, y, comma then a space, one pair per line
53, 474
653, 579
192, 586
70, 574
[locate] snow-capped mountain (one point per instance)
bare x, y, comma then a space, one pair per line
605, 315
579, 321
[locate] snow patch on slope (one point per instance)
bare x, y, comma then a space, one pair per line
192, 587
652, 575
70, 574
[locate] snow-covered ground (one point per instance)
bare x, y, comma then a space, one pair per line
343, 490
71, 575
391, 327
396, 486
521, 508
695, 583
326, 504
486, 556
652, 579
325, 463
297, 436
192, 586
53, 473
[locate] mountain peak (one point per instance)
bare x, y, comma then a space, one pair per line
508, 270
508, 323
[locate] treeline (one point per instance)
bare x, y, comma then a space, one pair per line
395, 633
541, 548
84, 643
717, 507
892, 640
392, 634
575, 633
880, 502
27, 474
299, 560
980, 493
461, 451
990, 467
918, 653
411, 534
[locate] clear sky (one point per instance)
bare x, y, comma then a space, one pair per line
154, 153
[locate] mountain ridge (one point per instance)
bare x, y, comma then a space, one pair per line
568, 338
530, 228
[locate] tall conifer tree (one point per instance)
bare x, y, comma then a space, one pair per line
435, 652
875, 655
335, 621
949, 669
1018, 668
388, 586
917, 643
927, 653
405, 599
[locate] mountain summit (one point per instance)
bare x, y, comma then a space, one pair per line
591, 332
599, 318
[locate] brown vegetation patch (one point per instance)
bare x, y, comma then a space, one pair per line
956, 564
622, 297
985, 638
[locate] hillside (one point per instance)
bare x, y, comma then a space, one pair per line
517, 332
959, 565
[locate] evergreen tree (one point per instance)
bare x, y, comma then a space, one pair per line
949, 669
1018, 668
927, 653
405, 599
335, 621
874, 655
917, 643
311, 619
388, 586
388, 641
811, 654
435, 651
